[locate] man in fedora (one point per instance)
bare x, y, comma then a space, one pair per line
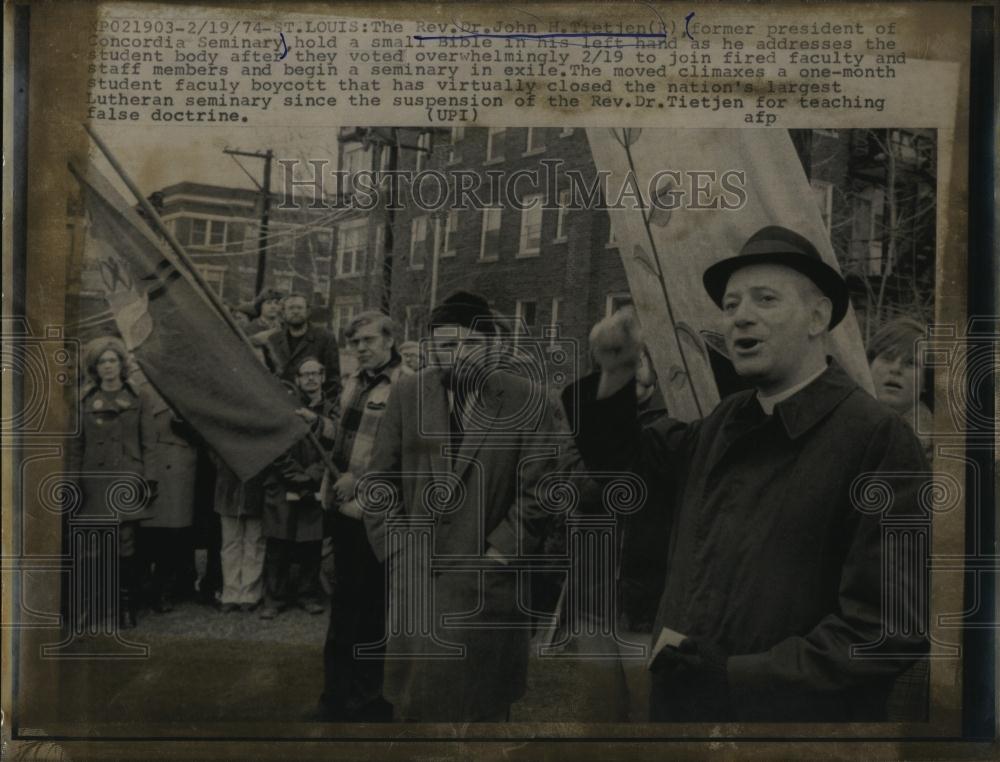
461, 446
773, 605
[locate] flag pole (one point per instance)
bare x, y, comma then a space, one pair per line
216, 301
157, 222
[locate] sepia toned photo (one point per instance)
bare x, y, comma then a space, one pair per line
357, 409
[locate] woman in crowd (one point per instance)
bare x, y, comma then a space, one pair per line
108, 459
167, 543
898, 375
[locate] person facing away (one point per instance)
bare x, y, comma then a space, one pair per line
462, 464
774, 602
352, 690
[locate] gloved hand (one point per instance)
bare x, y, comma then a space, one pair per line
698, 668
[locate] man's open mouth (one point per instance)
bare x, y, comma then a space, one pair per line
893, 385
747, 343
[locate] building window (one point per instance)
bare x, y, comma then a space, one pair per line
823, 193
612, 238
526, 314
866, 235
321, 289
566, 132
423, 150
554, 321
284, 280
214, 276
494, 143
450, 233
489, 245
356, 158
561, 216
412, 314
352, 248
345, 308
535, 142
531, 226
205, 232
616, 301
457, 135
418, 242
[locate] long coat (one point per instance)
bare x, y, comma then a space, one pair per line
769, 558
315, 342
108, 457
298, 472
172, 462
483, 497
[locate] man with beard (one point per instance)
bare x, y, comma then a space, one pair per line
288, 346
778, 604
454, 450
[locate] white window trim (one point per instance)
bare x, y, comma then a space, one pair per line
565, 132
195, 199
561, 214
482, 235
340, 274
527, 207
424, 144
519, 316
529, 149
491, 134
208, 272
448, 246
610, 300
413, 239
457, 135
554, 320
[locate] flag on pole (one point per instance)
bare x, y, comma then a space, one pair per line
188, 353
666, 246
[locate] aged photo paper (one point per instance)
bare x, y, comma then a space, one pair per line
478, 380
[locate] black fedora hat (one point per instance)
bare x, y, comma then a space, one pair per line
780, 246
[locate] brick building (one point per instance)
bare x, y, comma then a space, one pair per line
561, 266
544, 266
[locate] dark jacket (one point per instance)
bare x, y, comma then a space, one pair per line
107, 459
768, 557
172, 462
316, 342
299, 472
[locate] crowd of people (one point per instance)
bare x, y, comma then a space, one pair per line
748, 565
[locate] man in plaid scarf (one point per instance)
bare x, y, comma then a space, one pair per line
353, 687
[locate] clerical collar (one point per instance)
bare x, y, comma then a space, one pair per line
768, 402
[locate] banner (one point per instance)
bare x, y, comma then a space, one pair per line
207, 374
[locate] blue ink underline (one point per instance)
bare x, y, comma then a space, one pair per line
550, 36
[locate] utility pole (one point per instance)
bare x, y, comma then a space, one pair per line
265, 208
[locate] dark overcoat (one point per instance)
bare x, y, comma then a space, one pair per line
172, 462
107, 459
776, 552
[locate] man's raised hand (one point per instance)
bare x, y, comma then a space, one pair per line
616, 345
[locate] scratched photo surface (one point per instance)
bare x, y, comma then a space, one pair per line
446, 376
